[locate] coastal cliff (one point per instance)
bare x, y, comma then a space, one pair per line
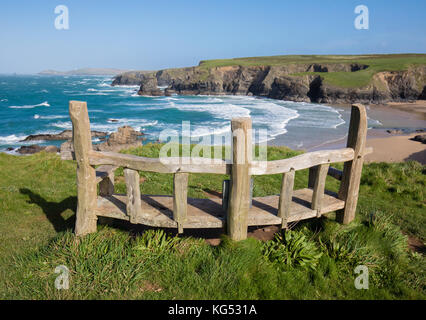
323, 82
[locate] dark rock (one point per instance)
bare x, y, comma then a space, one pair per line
395, 131
64, 135
10, 149
149, 87
421, 138
36, 148
30, 149
287, 88
52, 149
422, 96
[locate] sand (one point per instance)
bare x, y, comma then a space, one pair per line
396, 149
418, 106
393, 147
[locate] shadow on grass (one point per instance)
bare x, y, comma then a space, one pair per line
53, 210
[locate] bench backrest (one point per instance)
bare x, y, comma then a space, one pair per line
240, 169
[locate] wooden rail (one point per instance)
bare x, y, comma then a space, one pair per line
303, 161
241, 210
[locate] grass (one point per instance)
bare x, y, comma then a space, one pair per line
361, 78
316, 260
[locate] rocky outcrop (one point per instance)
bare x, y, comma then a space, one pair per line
133, 78
296, 82
64, 135
149, 86
36, 148
126, 137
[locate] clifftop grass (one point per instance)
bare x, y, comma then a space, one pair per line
361, 78
383, 62
37, 213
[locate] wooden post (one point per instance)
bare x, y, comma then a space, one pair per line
86, 175
286, 197
134, 203
239, 199
180, 199
319, 187
351, 177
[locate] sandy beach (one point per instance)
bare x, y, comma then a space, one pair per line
403, 120
396, 149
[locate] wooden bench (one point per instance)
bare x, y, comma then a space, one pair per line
179, 211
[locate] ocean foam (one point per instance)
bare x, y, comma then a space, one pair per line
274, 116
64, 125
136, 124
52, 117
43, 104
317, 116
223, 111
11, 139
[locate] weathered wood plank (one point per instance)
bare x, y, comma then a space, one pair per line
180, 199
167, 165
217, 166
103, 172
286, 196
134, 206
208, 213
239, 198
302, 161
86, 218
67, 155
349, 187
319, 187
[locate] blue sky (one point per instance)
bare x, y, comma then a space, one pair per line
148, 35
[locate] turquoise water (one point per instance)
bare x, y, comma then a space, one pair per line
39, 104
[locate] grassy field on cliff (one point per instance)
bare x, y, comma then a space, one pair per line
376, 63
315, 260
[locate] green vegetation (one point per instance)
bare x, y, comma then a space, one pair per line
315, 260
375, 63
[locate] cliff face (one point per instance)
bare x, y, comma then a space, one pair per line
283, 82
131, 78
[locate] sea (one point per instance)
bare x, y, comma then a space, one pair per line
36, 104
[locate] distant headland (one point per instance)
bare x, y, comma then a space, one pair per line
84, 72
